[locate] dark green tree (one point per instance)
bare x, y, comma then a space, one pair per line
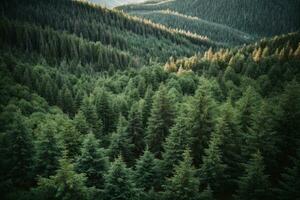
47, 149
81, 123
65, 184
254, 184
159, 122
118, 182
92, 161
201, 124
184, 185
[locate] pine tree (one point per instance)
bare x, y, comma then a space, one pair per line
120, 143
207, 194
118, 182
146, 171
160, 121
47, 149
16, 148
212, 171
72, 139
89, 111
92, 161
65, 184
290, 183
135, 130
104, 110
201, 124
254, 183
184, 185
147, 105
81, 124
176, 143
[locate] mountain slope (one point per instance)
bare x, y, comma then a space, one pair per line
114, 3
141, 40
258, 17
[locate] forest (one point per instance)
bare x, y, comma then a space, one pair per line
96, 104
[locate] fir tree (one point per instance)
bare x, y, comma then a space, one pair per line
118, 182
47, 149
160, 121
202, 125
92, 161
81, 124
65, 184
146, 171
184, 185
254, 183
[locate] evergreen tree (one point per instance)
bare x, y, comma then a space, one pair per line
212, 171
65, 184
89, 111
120, 143
254, 183
92, 161
118, 182
147, 105
16, 148
184, 185
207, 194
135, 130
201, 124
47, 149
146, 171
160, 120
176, 143
290, 183
72, 139
81, 124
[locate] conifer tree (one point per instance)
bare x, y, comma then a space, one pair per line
146, 171
135, 129
72, 139
184, 185
254, 184
120, 143
207, 194
201, 125
92, 161
160, 121
65, 184
16, 148
176, 143
47, 149
147, 105
290, 183
212, 171
118, 182
81, 124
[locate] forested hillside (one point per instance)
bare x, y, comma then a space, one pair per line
114, 3
258, 18
87, 114
85, 28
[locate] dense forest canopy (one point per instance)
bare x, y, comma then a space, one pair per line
257, 18
98, 105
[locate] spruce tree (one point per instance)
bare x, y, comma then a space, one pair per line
118, 182
146, 171
16, 148
135, 130
81, 124
290, 183
184, 185
65, 184
72, 139
160, 120
176, 143
201, 124
212, 171
120, 143
47, 149
254, 184
92, 161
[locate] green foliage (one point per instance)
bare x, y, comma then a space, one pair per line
118, 182
184, 185
160, 120
65, 184
92, 161
254, 183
